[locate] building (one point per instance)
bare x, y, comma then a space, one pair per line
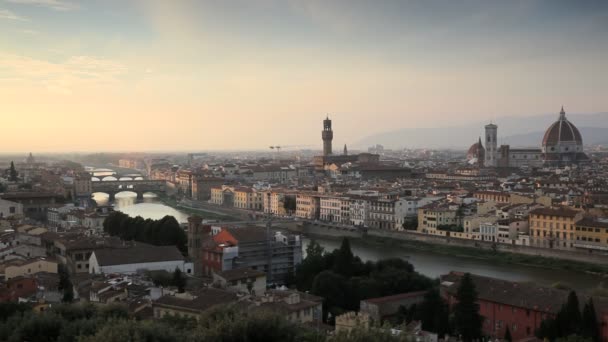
491, 153
563, 143
379, 309
334, 209
244, 280
328, 158
295, 306
553, 227
308, 206
82, 188
382, 213
434, 216
202, 185
520, 306
327, 135
273, 252
591, 234
240, 197
197, 232
191, 305
476, 154
352, 320
20, 268
140, 256
34, 204
10, 208
359, 210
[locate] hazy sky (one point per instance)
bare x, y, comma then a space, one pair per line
196, 75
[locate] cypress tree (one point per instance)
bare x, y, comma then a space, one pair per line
467, 320
12, 173
573, 315
589, 325
508, 337
344, 260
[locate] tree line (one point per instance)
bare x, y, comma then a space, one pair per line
163, 232
85, 322
570, 323
344, 280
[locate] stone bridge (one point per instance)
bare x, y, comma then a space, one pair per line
137, 186
132, 176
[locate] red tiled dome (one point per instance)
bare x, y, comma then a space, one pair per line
562, 130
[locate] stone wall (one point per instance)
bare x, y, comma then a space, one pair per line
583, 256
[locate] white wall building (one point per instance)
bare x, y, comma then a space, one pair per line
10, 208
139, 257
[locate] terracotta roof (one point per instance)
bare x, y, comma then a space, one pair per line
205, 299
562, 130
380, 300
139, 253
561, 212
592, 222
523, 295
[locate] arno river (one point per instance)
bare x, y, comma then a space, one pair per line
426, 263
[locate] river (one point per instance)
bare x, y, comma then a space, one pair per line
429, 264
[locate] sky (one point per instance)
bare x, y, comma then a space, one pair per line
155, 75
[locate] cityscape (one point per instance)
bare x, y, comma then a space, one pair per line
304, 171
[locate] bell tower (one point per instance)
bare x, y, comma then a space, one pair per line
491, 146
327, 135
196, 233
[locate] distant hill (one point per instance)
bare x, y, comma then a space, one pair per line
516, 131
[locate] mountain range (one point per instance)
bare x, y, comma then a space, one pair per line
515, 131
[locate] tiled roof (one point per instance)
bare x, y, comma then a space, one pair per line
139, 253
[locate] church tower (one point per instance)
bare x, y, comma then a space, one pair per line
491, 146
327, 135
196, 233
345, 150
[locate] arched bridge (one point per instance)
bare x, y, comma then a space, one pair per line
132, 176
137, 186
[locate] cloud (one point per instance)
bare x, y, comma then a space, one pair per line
62, 78
6, 14
58, 5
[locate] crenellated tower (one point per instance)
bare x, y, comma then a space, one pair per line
327, 135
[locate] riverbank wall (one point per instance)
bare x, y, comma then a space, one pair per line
327, 230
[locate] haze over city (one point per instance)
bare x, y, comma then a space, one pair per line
208, 75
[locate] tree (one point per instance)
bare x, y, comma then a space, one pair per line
179, 280
571, 318
12, 173
343, 261
331, 286
434, 313
589, 325
65, 284
310, 266
508, 337
467, 320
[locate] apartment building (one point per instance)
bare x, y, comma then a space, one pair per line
591, 234
553, 227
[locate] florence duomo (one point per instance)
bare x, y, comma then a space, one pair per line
562, 145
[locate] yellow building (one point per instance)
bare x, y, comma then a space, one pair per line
591, 234
434, 215
553, 227
31, 266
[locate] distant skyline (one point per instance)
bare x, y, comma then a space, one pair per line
207, 75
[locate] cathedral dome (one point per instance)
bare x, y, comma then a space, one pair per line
476, 152
562, 131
